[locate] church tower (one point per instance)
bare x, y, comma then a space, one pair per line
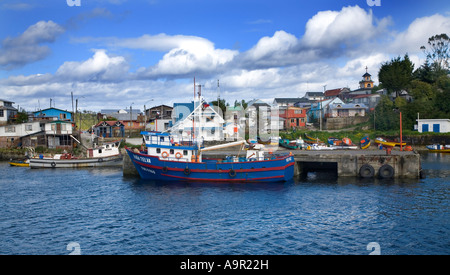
367, 82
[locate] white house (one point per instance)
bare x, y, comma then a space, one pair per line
10, 134
433, 125
204, 122
52, 134
6, 111
346, 110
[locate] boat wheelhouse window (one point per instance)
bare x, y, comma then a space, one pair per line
161, 139
172, 151
99, 151
185, 152
158, 150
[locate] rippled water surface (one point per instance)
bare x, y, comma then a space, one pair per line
42, 211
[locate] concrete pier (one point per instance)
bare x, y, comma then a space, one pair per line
360, 163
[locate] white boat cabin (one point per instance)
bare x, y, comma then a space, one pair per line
105, 150
168, 147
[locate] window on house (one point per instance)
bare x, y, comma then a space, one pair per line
28, 127
10, 129
2, 114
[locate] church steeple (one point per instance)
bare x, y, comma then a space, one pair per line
367, 82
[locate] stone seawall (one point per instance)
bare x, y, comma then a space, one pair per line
128, 166
6, 155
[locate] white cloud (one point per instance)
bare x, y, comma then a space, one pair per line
330, 28
26, 48
418, 33
186, 54
281, 41
372, 62
100, 67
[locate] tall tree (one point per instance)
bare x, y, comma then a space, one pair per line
439, 51
396, 74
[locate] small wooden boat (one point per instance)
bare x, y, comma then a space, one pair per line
386, 143
437, 148
365, 142
334, 141
341, 144
288, 144
311, 140
365, 146
319, 147
344, 147
20, 163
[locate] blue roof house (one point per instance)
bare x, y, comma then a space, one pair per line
54, 113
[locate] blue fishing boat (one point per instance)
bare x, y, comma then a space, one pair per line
170, 158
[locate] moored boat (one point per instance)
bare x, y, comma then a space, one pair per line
107, 154
437, 148
168, 158
20, 163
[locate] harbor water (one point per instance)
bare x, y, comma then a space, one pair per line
99, 211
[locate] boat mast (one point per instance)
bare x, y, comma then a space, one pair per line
193, 117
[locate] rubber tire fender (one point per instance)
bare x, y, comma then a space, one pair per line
187, 171
232, 173
386, 171
366, 171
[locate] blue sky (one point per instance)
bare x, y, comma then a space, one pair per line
112, 53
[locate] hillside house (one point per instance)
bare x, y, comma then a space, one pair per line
293, 117
11, 135
320, 108
7, 111
340, 92
314, 96
109, 129
370, 100
53, 134
53, 114
345, 110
